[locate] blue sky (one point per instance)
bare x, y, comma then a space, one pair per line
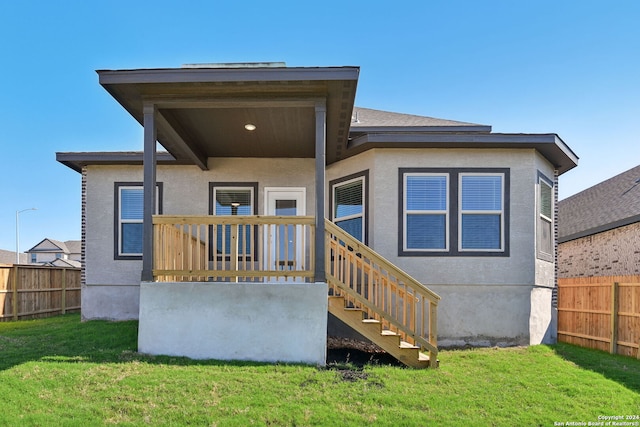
565, 67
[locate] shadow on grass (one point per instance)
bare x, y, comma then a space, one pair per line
65, 339
621, 369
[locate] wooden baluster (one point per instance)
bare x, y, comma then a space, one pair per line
233, 252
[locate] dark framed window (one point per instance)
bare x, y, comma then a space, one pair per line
349, 204
544, 230
229, 198
453, 212
128, 226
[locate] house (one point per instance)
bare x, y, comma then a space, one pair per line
275, 191
48, 251
9, 257
599, 229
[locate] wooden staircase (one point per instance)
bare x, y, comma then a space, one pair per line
381, 302
371, 329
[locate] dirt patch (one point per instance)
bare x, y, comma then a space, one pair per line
341, 351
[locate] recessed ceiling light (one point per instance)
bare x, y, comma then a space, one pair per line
250, 126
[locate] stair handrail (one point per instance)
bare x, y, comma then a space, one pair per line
409, 282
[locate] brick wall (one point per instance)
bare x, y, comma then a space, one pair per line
611, 253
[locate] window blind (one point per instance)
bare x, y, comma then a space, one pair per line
348, 200
426, 193
481, 193
131, 203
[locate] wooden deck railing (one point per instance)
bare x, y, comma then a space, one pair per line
280, 248
383, 291
233, 248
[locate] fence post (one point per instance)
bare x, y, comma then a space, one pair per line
64, 291
15, 292
613, 348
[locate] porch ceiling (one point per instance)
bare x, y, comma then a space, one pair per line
201, 112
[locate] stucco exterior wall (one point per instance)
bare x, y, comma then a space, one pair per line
485, 299
110, 289
235, 321
611, 253
516, 269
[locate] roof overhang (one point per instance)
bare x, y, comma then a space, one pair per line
549, 145
202, 112
77, 160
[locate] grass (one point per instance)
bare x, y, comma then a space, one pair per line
61, 372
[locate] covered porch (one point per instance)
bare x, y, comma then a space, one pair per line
248, 286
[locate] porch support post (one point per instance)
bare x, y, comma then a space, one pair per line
321, 144
149, 190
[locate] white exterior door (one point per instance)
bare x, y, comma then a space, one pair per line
285, 242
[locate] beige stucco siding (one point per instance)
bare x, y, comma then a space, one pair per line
185, 191
517, 269
486, 299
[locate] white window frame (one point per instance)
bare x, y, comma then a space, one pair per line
547, 220
250, 249
406, 212
121, 221
233, 188
362, 215
500, 212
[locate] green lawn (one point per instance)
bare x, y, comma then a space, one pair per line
61, 372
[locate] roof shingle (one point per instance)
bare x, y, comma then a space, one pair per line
610, 204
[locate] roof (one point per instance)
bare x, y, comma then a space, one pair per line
383, 129
201, 112
58, 262
9, 257
78, 160
368, 120
51, 245
74, 246
612, 203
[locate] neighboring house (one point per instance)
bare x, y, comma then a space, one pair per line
257, 157
9, 257
49, 250
599, 229
69, 263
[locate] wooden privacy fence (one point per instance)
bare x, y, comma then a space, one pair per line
32, 291
601, 313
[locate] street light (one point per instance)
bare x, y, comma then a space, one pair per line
18, 233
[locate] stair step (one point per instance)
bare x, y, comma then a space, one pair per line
404, 344
388, 340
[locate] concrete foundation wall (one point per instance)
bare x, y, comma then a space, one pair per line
110, 302
543, 320
481, 315
235, 321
